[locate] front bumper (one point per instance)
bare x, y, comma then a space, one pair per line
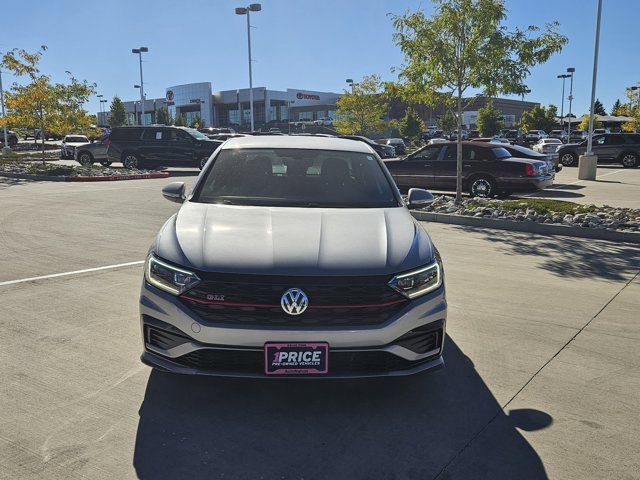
208, 348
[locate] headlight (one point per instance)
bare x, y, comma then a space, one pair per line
418, 282
169, 278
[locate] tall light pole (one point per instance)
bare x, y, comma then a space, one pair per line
139, 52
588, 163
5, 145
99, 108
571, 70
350, 83
104, 111
254, 7
563, 76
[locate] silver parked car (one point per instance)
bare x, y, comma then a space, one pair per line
70, 143
293, 256
89, 153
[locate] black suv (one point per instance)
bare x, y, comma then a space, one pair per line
138, 147
621, 148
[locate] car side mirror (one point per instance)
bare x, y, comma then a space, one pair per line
419, 197
174, 192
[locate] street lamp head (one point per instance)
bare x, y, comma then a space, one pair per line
144, 49
349, 81
241, 11
135, 50
136, 86
571, 69
255, 7
100, 96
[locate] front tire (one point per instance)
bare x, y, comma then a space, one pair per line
85, 159
569, 159
482, 186
130, 160
203, 162
629, 160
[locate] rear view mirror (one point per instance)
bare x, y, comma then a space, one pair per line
419, 198
174, 192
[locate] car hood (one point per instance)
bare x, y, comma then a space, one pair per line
294, 241
571, 145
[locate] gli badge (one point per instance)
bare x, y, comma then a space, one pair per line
294, 301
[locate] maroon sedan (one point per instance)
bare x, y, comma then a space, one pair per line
487, 170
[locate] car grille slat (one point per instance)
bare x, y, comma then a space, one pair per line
340, 362
255, 300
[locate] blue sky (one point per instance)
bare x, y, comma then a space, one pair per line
305, 44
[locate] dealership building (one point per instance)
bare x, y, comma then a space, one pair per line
230, 108
272, 108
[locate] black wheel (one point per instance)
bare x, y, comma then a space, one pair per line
105, 163
85, 158
482, 186
629, 160
203, 162
569, 159
130, 160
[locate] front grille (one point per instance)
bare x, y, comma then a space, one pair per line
252, 362
333, 301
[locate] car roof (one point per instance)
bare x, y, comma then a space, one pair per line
472, 143
300, 142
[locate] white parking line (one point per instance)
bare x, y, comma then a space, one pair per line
75, 272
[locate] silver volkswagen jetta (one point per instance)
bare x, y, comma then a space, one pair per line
293, 256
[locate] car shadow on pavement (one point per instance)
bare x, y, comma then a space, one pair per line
569, 257
445, 424
556, 192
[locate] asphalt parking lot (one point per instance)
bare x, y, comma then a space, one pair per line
614, 186
542, 376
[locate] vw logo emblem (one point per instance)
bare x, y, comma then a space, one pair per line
294, 301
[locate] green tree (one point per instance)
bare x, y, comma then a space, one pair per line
411, 125
447, 122
584, 123
163, 117
197, 121
51, 107
361, 111
598, 108
117, 113
181, 121
490, 120
540, 118
465, 45
618, 108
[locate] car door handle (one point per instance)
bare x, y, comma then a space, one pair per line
466, 164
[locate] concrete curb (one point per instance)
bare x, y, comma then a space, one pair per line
529, 227
115, 178
112, 178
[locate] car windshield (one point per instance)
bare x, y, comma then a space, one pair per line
195, 133
296, 178
77, 139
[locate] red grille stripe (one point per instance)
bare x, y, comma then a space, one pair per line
260, 305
